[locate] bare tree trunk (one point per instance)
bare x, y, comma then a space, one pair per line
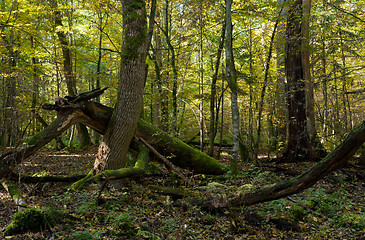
232, 83
213, 94
299, 146
307, 74
266, 76
201, 82
281, 104
325, 94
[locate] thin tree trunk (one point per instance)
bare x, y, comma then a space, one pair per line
250, 108
281, 104
213, 94
266, 77
232, 83
201, 82
307, 74
174, 70
68, 71
325, 95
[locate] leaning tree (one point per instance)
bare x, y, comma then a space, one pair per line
122, 126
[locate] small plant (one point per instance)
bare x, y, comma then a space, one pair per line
86, 235
34, 220
123, 224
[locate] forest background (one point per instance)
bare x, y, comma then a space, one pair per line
179, 93
57, 48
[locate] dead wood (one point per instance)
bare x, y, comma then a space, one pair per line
167, 163
32, 179
78, 109
333, 161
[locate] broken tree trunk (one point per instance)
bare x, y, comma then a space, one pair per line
72, 110
333, 161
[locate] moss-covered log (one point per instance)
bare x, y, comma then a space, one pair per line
178, 152
138, 169
333, 161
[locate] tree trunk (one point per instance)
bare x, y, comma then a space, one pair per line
174, 70
281, 109
298, 146
232, 83
84, 136
201, 82
306, 70
266, 77
10, 129
115, 144
213, 94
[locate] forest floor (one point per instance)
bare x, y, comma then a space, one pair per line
332, 209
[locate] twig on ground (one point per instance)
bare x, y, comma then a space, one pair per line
170, 166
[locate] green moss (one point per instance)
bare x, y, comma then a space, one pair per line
134, 19
33, 220
80, 184
178, 152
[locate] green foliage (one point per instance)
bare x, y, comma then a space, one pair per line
122, 224
86, 235
337, 209
32, 219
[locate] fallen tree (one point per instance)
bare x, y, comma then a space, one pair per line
72, 110
333, 161
79, 109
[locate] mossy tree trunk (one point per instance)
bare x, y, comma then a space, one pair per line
115, 144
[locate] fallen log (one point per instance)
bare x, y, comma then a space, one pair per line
79, 109
333, 161
178, 152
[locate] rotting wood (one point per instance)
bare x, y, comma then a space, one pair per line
333, 161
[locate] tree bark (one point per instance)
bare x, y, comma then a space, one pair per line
115, 144
231, 77
298, 146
